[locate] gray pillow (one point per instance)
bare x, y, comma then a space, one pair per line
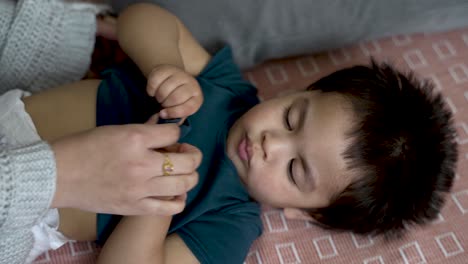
259, 30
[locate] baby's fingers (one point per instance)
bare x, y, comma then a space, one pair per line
157, 77
187, 108
168, 87
180, 95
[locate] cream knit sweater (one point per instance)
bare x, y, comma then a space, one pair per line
43, 43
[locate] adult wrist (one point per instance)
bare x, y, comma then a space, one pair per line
64, 193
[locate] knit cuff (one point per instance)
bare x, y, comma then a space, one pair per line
28, 177
49, 43
7, 10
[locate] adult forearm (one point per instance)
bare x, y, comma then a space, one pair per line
150, 36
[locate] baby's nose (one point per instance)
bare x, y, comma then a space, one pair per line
275, 145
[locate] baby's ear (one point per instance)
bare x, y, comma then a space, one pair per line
297, 214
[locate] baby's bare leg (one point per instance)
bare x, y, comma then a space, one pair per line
63, 110
60, 112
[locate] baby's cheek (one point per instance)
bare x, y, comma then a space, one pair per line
265, 186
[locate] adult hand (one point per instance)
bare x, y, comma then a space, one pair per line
116, 169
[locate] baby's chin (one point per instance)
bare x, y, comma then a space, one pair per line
244, 182
240, 174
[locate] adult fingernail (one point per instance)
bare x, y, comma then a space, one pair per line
163, 114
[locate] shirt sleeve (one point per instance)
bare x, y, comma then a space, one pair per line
224, 73
223, 237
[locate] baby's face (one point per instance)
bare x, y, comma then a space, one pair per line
287, 150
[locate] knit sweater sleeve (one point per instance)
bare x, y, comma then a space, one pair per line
45, 43
27, 186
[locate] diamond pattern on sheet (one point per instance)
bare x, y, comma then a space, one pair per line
441, 57
462, 133
276, 221
465, 38
444, 49
253, 258
325, 247
370, 48
415, 59
287, 253
307, 66
251, 78
276, 74
449, 244
437, 84
459, 73
374, 260
412, 254
440, 218
461, 200
339, 56
451, 105
81, 248
362, 241
401, 40
44, 258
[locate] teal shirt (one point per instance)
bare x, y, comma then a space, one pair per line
220, 221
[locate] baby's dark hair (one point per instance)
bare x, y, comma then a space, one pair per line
402, 145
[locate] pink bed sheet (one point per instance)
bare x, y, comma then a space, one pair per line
442, 57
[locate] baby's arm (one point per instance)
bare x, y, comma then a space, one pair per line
168, 56
142, 239
152, 36
136, 239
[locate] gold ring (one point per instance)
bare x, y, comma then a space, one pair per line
167, 166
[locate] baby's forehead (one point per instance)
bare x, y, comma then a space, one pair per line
326, 139
330, 99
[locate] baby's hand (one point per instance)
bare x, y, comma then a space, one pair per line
177, 91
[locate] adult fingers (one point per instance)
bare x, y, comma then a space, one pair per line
183, 162
187, 148
158, 135
172, 148
163, 207
153, 119
173, 185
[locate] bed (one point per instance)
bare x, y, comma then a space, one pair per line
441, 57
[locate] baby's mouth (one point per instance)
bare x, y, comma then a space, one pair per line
242, 150
245, 150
